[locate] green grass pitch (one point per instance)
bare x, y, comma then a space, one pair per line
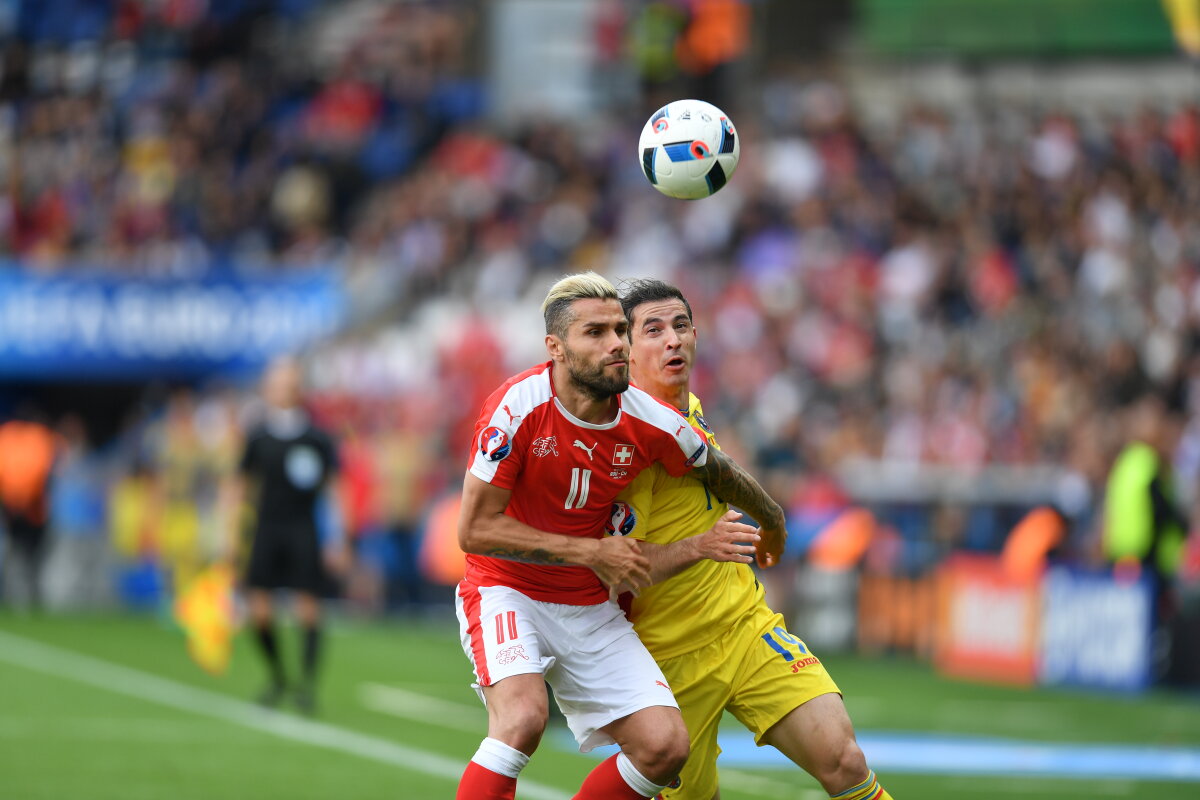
113, 708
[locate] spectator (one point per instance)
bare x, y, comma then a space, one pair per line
28, 449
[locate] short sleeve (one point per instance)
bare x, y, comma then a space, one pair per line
494, 459
691, 450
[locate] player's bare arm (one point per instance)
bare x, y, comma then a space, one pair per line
728, 539
484, 529
338, 555
726, 479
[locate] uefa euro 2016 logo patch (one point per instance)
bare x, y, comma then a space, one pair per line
494, 443
622, 521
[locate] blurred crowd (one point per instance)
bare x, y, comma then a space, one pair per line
960, 288
184, 137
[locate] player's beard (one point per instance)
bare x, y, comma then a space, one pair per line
592, 380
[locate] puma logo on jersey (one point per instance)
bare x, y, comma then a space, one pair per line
679, 430
511, 416
584, 447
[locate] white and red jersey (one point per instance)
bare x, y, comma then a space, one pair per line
564, 473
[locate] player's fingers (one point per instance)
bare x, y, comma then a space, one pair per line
742, 533
735, 551
639, 580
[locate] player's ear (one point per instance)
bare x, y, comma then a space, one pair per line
554, 347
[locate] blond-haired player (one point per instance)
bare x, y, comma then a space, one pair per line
706, 621
554, 446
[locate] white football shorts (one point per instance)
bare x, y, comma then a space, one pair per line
600, 671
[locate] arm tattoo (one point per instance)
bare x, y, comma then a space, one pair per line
728, 481
537, 556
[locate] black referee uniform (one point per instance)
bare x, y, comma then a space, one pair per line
292, 465
291, 474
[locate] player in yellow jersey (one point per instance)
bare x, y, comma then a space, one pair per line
705, 620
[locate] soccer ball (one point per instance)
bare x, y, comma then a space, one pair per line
689, 149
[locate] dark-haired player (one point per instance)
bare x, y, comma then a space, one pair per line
706, 621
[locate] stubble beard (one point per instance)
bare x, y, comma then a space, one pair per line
593, 382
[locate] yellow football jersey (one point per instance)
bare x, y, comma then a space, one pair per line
693, 608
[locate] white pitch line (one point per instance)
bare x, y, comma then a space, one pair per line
80, 668
132, 729
429, 710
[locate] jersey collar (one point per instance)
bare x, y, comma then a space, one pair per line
574, 420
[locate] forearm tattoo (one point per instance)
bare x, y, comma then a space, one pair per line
537, 556
727, 480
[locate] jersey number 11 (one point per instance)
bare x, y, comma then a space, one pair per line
581, 479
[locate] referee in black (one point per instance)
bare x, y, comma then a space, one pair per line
288, 463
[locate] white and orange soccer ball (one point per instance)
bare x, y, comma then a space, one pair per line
689, 149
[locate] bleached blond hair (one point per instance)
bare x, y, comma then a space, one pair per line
556, 308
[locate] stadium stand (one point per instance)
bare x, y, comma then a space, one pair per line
972, 289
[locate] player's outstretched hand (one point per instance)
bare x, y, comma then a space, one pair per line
770, 546
728, 540
619, 562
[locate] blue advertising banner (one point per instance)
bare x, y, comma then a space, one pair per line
1095, 630
77, 326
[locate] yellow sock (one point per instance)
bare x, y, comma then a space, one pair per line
867, 790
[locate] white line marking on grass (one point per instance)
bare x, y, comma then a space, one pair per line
428, 710
106, 675
131, 729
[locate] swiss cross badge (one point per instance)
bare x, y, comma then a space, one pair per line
622, 455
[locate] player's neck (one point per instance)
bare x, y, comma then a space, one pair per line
582, 405
678, 396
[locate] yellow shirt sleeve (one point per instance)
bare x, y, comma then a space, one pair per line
675, 615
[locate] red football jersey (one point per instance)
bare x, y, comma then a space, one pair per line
565, 473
